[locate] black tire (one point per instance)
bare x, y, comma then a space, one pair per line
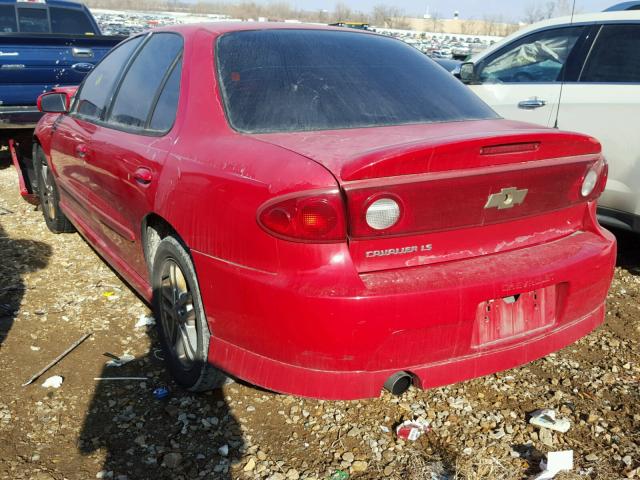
180, 318
56, 221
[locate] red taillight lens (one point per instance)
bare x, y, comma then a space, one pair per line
316, 217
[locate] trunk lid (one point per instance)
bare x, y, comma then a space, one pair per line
464, 189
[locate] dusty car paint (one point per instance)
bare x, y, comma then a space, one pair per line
327, 319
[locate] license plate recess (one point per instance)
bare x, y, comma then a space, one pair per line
503, 319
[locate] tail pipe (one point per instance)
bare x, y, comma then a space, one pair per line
398, 383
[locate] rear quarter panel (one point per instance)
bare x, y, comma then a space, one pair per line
215, 179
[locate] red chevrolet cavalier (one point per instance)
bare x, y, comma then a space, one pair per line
323, 212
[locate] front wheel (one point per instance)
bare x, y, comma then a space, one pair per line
183, 330
56, 221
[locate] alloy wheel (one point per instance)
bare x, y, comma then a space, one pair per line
178, 314
48, 195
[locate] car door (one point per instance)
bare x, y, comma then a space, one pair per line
70, 151
605, 103
130, 147
522, 80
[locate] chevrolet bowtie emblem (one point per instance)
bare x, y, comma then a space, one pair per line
507, 198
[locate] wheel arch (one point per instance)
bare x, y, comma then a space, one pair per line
154, 229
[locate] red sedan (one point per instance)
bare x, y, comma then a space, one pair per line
323, 212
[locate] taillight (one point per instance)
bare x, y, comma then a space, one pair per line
594, 180
306, 217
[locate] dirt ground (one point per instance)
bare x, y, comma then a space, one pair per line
54, 289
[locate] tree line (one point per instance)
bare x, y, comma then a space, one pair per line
380, 15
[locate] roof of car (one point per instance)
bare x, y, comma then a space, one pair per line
632, 5
612, 16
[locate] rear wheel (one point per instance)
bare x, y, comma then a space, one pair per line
184, 333
56, 221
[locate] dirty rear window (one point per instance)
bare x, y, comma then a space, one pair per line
298, 80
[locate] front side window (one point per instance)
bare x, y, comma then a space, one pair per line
537, 58
143, 80
70, 21
33, 20
297, 80
615, 57
8, 22
98, 86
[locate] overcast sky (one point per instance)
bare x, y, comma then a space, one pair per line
510, 9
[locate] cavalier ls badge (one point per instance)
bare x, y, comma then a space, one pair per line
506, 198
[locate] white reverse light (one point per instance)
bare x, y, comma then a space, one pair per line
383, 213
589, 183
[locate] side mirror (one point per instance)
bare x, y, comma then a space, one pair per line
54, 102
468, 72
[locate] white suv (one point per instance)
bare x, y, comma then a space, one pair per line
580, 74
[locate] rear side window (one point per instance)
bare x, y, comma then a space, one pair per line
296, 80
98, 85
615, 57
165, 112
142, 82
33, 20
8, 22
71, 21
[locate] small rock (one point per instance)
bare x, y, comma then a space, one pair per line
359, 466
224, 450
172, 460
348, 457
546, 437
293, 474
250, 465
592, 457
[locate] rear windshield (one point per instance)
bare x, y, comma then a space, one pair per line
297, 80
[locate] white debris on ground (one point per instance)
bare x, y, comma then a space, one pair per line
53, 382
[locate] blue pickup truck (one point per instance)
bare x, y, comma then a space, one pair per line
43, 44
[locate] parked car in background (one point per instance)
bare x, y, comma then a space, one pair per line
42, 45
321, 211
580, 74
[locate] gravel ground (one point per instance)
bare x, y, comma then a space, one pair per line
54, 288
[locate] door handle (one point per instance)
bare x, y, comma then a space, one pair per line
143, 176
81, 151
82, 52
531, 104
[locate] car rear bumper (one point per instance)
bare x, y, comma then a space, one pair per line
18, 117
290, 336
